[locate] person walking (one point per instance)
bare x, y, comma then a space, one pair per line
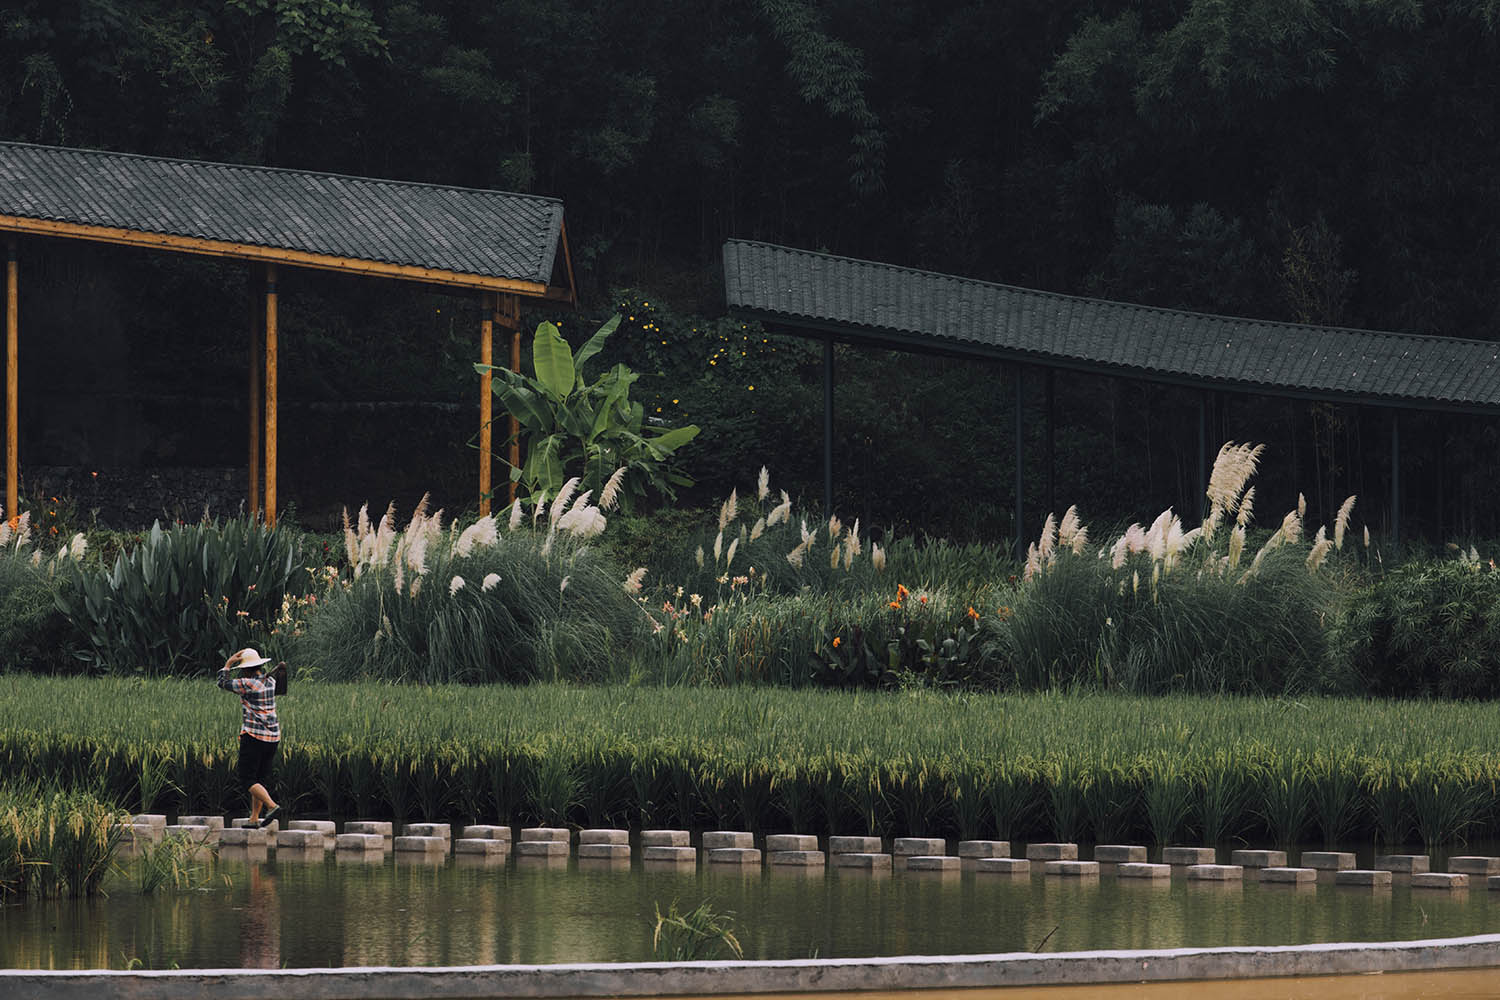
260, 731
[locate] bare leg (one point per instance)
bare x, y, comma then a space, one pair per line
259, 797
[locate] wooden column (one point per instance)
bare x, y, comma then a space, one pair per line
828, 426
12, 380
270, 394
1020, 437
257, 326
486, 358
508, 315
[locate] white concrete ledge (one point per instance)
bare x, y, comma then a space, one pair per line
795, 976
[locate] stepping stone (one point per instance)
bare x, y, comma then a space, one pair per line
613, 838
306, 855
1362, 877
144, 833
1071, 868
374, 826
362, 857
212, 822
1259, 859
796, 859
1493, 881
149, 819
243, 836
300, 838
359, 842
1439, 880
427, 830
542, 849
904, 847
715, 840
1120, 854
933, 863
1140, 869
854, 845
612, 852
984, 848
1328, 861
791, 842
665, 838
679, 854
1188, 856
732, 855
868, 860
1410, 864
482, 845
244, 854
546, 835
193, 833
1474, 865
1216, 873
1293, 875
1052, 852
412, 844
245, 823
327, 827
485, 831
1003, 866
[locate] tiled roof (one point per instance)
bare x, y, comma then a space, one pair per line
901, 305
458, 230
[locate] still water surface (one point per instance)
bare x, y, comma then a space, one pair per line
400, 910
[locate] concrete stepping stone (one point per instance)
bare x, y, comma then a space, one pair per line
732, 855
608, 852
300, 838
243, 836
854, 845
374, 826
665, 838
327, 827
1408, 864
482, 845
791, 842
1366, 877
546, 835
984, 848
486, 831
1258, 859
933, 863
1280, 874
611, 837
144, 833
1142, 869
412, 844
244, 854
305, 855
868, 860
1328, 861
193, 833
1052, 852
1071, 868
1003, 866
1215, 873
1120, 854
245, 823
359, 842
796, 859
715, 840
157, 820
1188, 855
905, 847
1474, 865
675, 853
443, 830
542, 849
1439, 880
212, 822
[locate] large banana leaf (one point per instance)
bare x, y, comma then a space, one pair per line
553, 359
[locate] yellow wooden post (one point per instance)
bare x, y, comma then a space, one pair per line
257, 323
486, 357
271, 395
12, 380
509, 317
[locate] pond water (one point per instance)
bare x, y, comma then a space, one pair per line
328, 910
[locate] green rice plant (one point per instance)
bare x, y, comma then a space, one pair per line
1221, 787
915, 786
509, 768
1445, 799
56, 842
1012, 797
1337, 793
701, 933
1167, 796
792, 791
151, 777
751, 780
1387, 785
432, 781
1111, 798
964, 787
604, 783
173, 864
1285, 802
1067, 780
553, 788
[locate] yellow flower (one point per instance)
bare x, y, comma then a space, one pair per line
750, 387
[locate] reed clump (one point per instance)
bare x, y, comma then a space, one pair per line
55, 842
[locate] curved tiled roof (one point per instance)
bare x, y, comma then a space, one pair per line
899, 305
461, 231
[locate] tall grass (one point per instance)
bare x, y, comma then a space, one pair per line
55, 842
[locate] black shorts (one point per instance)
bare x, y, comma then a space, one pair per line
255, 760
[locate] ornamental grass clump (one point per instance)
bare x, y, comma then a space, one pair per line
33, 632
1168, 607
524, 600
55, 842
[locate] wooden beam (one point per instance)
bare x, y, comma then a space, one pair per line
486, 357
257, 325
271, 397
282, 255
568, 263
12, 379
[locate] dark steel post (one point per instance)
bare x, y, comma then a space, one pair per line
828, 425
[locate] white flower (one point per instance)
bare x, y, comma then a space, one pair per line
763, 485
481, 532
455, 585
515, 515
633, 581
78, 546
877, 557
489, 582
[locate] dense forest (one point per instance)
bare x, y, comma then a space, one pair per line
1326, 162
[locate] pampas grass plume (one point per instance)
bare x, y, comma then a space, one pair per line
729, 555
763, 484
730, 510
564, 497
1068, 528
609, 497
633, 581
455, 585
1247, 508
515, 515
759, 528
718, 546
877, 557
1341, 523
490, 581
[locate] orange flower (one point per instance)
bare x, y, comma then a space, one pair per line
894, 604
837, 642
972, 613
901, 592
923, 598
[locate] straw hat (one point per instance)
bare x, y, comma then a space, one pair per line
248, 657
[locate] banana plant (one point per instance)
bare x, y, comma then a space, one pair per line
574, 427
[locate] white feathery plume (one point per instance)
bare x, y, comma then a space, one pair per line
729, 555
1080, 540
852, 539
730, 510
36, 557
609, 497
1156, 535
835, 527
564, 585
1135, 539
1321, 544
1341, 523
78, 546
1033, 562
781, 512
455, 585
1048, 539
515, 515
351, 540
1233, 467
1068, 527
1291, 526
1367, 536
718, 546
834, 551
1120, 550
877, 557
806, 535
564, 497
489, 583
547, 545
1236, 545
848, 554
540, 508
400, 580
763, 484
796, 556
633, 581
364, 520
699, 556
482, 532
1247, 509
759, 529
582, 520
1301, 506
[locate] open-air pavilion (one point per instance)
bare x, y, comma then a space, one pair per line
832, 298
501, 247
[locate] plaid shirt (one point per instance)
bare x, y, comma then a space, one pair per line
258, 700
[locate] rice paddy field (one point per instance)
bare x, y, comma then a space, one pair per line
1088, 767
